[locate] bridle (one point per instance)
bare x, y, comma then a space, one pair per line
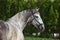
34, 18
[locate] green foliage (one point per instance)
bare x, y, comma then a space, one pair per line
49, 10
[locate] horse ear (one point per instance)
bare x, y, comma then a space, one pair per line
37, 9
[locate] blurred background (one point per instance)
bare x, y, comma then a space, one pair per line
49, 11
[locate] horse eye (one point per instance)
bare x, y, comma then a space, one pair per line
36, 16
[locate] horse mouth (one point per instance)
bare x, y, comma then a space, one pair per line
41, 28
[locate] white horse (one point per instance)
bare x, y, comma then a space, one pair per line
13, 28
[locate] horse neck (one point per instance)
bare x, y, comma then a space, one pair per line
18, 21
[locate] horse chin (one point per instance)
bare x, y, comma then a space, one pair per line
41, 29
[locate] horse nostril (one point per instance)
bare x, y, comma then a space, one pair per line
41, 27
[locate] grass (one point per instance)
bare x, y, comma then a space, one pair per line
37, 38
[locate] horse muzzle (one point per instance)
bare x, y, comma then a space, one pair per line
41, 27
